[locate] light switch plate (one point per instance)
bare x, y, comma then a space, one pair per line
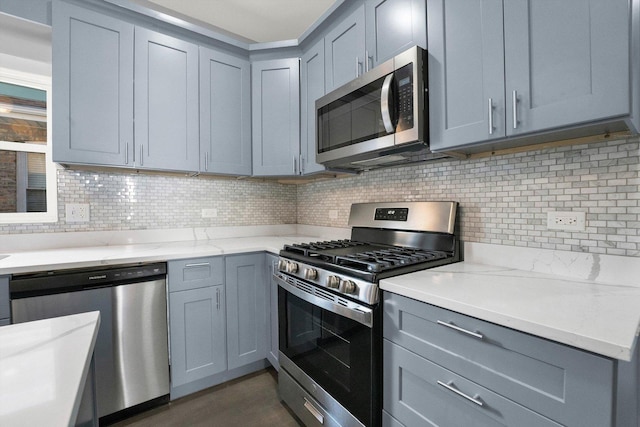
77, 212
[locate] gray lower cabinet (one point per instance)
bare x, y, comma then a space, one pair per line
197, 319
311, 88
275, 89
246, 301
166, 102
393, 26
504, 69
5, 313
272, 342
217, 320
445, 368
93, 86
225, 113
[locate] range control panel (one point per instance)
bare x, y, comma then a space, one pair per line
391, 214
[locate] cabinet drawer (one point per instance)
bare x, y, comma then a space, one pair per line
195, 273
421, 393
563, 383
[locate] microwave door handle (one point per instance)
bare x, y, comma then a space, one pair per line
384, 104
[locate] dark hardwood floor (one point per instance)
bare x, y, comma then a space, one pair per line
248, 401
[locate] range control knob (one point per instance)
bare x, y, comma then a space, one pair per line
292, 267
310, 273
282, 265
348, 287
333, 282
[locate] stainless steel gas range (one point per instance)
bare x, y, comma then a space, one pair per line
329, 316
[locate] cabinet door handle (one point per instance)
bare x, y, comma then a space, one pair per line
312, 409
126, 154
490, 116
197, 264
295, 165
369, 59
218, 299
141, 148
301, 164
459, 329
449, 386
515, 109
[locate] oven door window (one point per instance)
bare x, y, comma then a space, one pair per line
336, 352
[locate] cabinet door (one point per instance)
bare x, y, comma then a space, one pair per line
345, 50
166, 102
225, 113
197, 327
393, 26
311, 88
466, 72
276, 117
93, 86
246, 309
566, 62
272, 306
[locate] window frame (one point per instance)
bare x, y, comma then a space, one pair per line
40, 82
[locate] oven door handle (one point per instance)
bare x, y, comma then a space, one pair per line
357, 312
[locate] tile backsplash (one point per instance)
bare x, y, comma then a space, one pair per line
503, 199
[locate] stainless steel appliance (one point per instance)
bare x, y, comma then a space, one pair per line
378, 119
131, 353
329, 316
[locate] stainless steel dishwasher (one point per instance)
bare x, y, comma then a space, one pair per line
131, 353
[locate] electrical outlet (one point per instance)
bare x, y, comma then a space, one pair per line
567, 221
77, 212
210, 213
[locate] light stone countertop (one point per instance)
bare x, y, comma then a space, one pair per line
43, 367
599, 317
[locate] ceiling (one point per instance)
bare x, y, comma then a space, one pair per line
252, 20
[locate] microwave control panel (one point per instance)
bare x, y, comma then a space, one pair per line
404, 79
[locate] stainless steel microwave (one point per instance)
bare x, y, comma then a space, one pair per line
378, 119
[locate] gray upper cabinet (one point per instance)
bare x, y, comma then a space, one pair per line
246, 309
275, 86
166, 102
499, 71
225, 113
393, 26
566, 62
311, 88
93, 87
345, 56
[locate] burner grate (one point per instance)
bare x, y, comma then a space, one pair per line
387, 259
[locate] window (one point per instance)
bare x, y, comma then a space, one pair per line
28, 190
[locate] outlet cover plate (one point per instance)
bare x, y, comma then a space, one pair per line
566, 221
209, 213
77, 212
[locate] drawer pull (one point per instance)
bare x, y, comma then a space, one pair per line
459, 329
198, 264
312, 409
450, 387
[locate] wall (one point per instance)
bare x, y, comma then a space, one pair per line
504, 199
131, 201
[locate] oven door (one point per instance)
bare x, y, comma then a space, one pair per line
337, 347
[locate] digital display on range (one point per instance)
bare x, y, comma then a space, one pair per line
391, 214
